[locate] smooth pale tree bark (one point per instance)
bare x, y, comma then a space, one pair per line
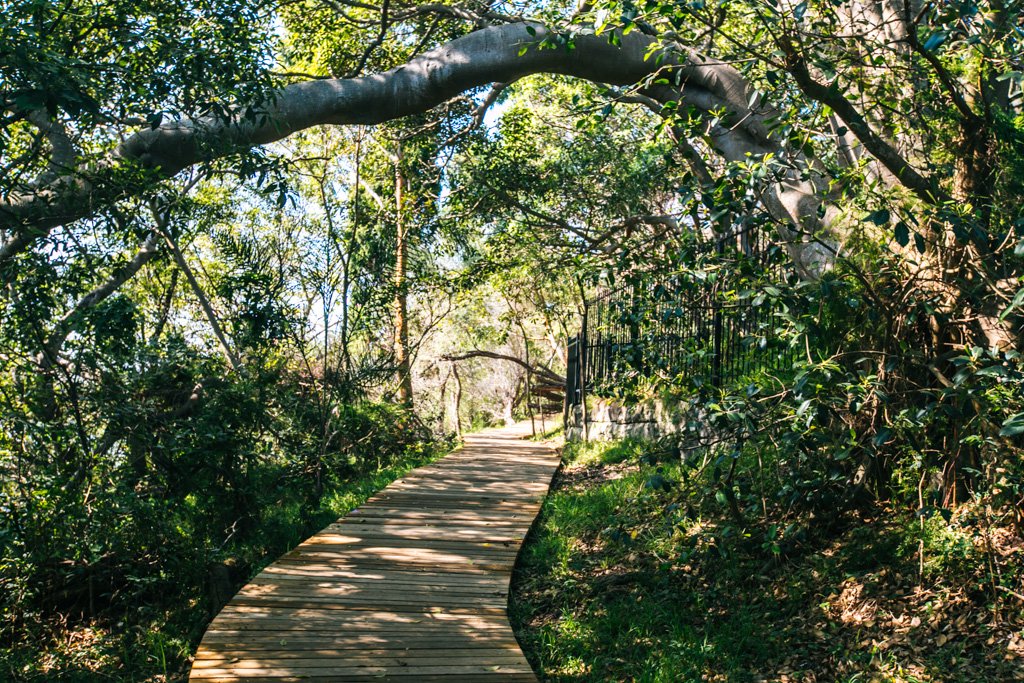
475, 60
494, 54
204, 302
458, 400
736, 128
403, 367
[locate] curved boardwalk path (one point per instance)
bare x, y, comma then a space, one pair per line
412, 586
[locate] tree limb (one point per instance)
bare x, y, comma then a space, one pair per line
540, 370
147, 251
162, 222
906, 174
486, 56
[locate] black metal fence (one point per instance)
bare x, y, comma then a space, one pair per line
710, 325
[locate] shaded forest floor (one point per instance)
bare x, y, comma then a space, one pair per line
627, 579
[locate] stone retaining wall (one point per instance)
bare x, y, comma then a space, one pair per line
608, 420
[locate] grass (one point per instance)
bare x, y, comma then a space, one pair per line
628, 577
155, 643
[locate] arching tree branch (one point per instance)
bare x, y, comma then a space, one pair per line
494, 54
545, 373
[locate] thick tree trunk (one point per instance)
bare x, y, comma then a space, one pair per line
974, 169
737, 128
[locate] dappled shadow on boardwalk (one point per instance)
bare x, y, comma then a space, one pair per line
412, 586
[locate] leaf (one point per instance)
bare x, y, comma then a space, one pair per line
1013, 425
658, 482
879, 217
919, 242
935, 40
902, 233
883, 435
1018, 299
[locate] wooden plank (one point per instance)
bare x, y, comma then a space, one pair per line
369, 671
478, 605
266, 661
358, 591
433, 557
516, 519
278, 574
349, 544
226, 654
412, 586
313, 562
242, 641
309, 564
399, 583
404, 676
247, 617
452, 533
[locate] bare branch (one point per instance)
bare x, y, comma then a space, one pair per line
162, 222
384, 25
541, 370
147, 251
481, 111
906, 174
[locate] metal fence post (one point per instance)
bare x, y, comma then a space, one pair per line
716, 326
584, 362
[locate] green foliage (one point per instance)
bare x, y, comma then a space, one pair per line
133, 540
131, 457
638, 570
141, 479
86, 65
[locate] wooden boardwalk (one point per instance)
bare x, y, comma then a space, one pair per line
412, 586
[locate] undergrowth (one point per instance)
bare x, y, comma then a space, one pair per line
153, 639
637, 571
